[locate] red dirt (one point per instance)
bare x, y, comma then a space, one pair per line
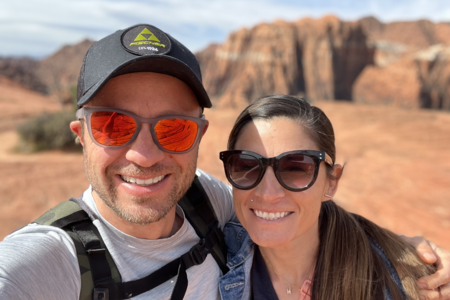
397, 170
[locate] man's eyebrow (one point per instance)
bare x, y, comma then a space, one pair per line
175, 112
171, 112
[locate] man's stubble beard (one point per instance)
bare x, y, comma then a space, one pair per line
156, 209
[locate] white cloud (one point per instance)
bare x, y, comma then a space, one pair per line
38, 28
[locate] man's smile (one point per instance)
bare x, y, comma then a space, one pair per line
142, 182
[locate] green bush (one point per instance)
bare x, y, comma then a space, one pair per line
48, 131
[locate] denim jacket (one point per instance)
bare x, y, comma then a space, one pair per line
236, 284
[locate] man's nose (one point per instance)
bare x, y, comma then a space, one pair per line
143, 150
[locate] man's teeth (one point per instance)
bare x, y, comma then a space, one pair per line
270, 216
142, 182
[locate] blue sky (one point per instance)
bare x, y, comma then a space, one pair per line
37, 28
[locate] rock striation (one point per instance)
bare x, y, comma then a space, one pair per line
319, 59
400, 63
410, 67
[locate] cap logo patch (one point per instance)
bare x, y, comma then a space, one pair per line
142, 37
145, 39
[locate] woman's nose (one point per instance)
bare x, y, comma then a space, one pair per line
269, 189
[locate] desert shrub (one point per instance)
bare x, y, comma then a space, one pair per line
48, 131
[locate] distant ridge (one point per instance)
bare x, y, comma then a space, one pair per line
399, 63
54, 75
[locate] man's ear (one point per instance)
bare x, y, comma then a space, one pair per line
205, 128
333, 180
75, 126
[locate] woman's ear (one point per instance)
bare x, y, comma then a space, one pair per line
333, 180
75, 126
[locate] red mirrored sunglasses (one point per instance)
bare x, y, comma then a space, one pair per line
116, 128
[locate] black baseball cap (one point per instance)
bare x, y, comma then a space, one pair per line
140, 48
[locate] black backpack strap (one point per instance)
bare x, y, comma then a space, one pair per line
65, 213
200, 214
195, 256
72, 217
106, 288
101, 279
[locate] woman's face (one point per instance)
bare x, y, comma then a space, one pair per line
270, 138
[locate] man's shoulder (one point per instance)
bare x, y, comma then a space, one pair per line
217, 190
210, 180
40, 239
219, 195
42, 261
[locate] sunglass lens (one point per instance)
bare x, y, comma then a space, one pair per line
111, 128
176, 135
296, 170
243, 169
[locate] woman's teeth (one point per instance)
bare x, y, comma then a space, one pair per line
142, 182
270, 216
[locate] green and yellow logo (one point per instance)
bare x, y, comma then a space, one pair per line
146, 37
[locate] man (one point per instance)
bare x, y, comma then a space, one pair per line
140, 123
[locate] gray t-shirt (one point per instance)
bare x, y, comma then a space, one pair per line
39, 262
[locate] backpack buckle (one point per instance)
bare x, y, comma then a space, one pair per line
101, 294
199, 252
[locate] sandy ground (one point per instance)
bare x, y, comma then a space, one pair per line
397, 170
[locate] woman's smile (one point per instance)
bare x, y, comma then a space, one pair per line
270, 216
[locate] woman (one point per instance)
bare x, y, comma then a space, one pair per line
307, 247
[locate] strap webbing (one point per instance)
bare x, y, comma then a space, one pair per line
201, 216
100, 269
78, 216
101, 273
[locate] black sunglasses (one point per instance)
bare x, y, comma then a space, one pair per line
295, 170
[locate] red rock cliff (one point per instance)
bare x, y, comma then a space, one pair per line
319, 59
411, 66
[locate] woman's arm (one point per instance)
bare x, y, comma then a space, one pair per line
437, 285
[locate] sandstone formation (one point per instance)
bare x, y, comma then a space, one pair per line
399, 63
433, 65
55, 75
410, 65
59, 72
319, 59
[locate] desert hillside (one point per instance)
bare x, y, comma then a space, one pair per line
397, 164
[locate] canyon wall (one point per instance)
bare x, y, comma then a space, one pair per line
402, 64
319, 59
410, 67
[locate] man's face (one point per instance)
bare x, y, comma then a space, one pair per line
117, 175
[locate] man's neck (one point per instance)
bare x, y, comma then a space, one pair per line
163, 228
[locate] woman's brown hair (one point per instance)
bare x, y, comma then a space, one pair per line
349, 265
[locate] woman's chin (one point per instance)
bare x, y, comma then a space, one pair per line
270, 240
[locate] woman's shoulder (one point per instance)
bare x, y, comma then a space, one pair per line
237, 239
389, 266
